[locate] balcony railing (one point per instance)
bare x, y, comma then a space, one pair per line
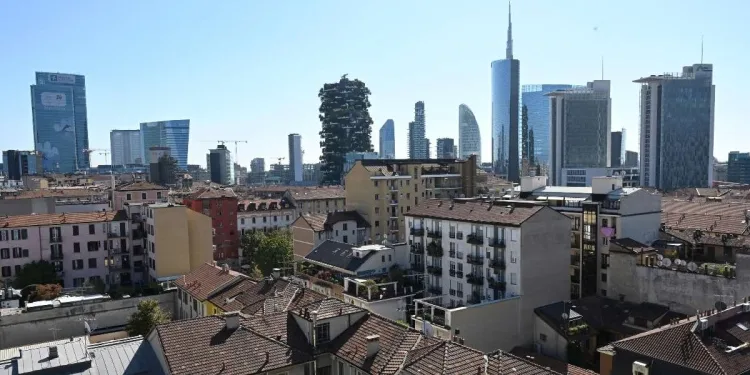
435, 289
392, 188
495, 284
115, 235
435, 270
394, 202
497, 242
119, 266
475, 238
417, 248
497, 263
139, 234
474, 299
417, 267
138, 250
55, 239
435, 233
416, 231
56, 256
475, 259
575, 279
452, 253
475, 279
459, 235
605, 265
139, 268
117, 250
435, 249
460, 274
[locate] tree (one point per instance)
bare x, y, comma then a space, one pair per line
250, 242
524, 133
346, 125
45, 292
36, 272
275, 250
148, 316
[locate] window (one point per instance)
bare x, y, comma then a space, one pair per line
382, 258
604, 277
346, 239
75, 230
513, 277
6, 271
5, 253
93, 246
92, 262
242, 221
158, 195
377, 223
604, 292
128, 197
287, 217
377, 196
143, 196
275, 218
17, 269
513, 258
375, 183
195, 305
389, 257
377, 210
92, 229
322, 333
345, 227
253, 220
77, 264
542, 337
265, 219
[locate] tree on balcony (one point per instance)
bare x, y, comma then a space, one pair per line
36, 272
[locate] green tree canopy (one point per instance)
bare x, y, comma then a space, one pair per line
148, 316
36, 272
250, 243
275, 250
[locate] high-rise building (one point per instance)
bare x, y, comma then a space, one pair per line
738, 167
125, 146
20, 163
418, 148
388, 140
427, 148
534, 98
257, 171
58, 109
677, 128
220, 165
295, 156
631, 159
505, 112
161, 165
617, 148
174, 134
580, 123
469, 138
445, 147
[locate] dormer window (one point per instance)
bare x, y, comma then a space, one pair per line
322, 333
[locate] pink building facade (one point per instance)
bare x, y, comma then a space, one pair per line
139, 192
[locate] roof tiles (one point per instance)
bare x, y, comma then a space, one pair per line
35, 220
474, 211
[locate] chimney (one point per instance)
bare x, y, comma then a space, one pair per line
276, 273
373, 345
225, 267
232, 320
52, 352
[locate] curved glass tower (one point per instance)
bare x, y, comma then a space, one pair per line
505, 112
469, 139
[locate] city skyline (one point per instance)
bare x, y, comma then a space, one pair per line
134, 98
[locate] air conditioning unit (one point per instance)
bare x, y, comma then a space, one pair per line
640, 368
746, 307
703, 324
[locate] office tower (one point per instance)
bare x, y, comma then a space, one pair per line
445, 148
417, 144
174, 134
162, 166
738, 167
125, 146
346, 125
534, 98
505, 112
677, 128
469, 138
387, 140
580, 123
257, 171
617, 148
631, 159
295, 156
220, 165
58, 109
19, 163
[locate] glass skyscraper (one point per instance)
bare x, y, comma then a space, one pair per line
505, 112
58, 109
125, 146
469, 138
387, 140
537, 104
174, 134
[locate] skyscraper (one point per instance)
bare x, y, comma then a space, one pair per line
295, 156
537, 106
58, 109
174, 134
125, 146
677, 128
220, 166
738, 167
20, 163
417, 140
617, 148
469, 138
505, 112
445, 147
387, 140
580, 123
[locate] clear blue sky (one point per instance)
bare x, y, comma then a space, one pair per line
252, 69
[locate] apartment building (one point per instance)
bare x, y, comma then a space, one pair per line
598, 214
383, 190
265, 214
221, 205
317, 200
487, 261
311, 230
82, 246
196, 287
178, 240
139, 192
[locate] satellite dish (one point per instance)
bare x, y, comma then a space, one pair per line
565, 316
659, 263
666, 262
692, 267
720, 305
660, 257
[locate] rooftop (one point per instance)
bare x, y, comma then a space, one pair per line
207, 279
475, 211
35, 220
139, 186
55, 193
264, 297
211, 193
314, 193
321, 222
338, 254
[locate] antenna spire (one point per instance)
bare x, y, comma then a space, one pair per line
509, 47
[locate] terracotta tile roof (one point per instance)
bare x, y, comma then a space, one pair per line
264, 297
207, 279
211, 193
553, 364
57, 193
252, 205
325, 192
139, 186
321, 222
316, 221
205, 346
474, 211
63, 218
330, 307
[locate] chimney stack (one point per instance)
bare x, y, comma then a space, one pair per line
232, 320
52, 352
276, 273
373, 345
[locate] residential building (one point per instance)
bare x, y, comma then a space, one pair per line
178, 240
534, 98
139, 192
469, 136
417, 128
311, 230
58, 109
506, 112
82, 247
352, 157
580, 124
738, 167
22, 163
631, 159
387, 147
196, 287
382, 191
220, 165
487, 259
599, 214
445, 148
174, 134
265, 214
580, 177
677, 128
295, 156
317, 200
125, 146
617, 148
220, 204
257, 171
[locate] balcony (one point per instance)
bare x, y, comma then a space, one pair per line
118, 250
475, 279
474, 298
435, 289
475, 259
138, 250
416, 231
435, 249
475, 238
498, 264
115, 235
460, 274
605, 265
56, 256
575, 260
452, 273
393, 203
575, 279
435, 233
495, 284
55, 239
497, 243
459, 235
139, 268
392, 188
435, 270
417, 267
451, 234
417, 248
119, 267
139, 234
452, 253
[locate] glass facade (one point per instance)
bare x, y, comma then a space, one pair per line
469, 138
174, 134
58, 107
388, 140
125, 146
505, 118
537, 104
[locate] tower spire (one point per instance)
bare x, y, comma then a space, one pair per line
509, 47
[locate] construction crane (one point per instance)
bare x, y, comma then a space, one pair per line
101, 151
236, 142
280, 160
